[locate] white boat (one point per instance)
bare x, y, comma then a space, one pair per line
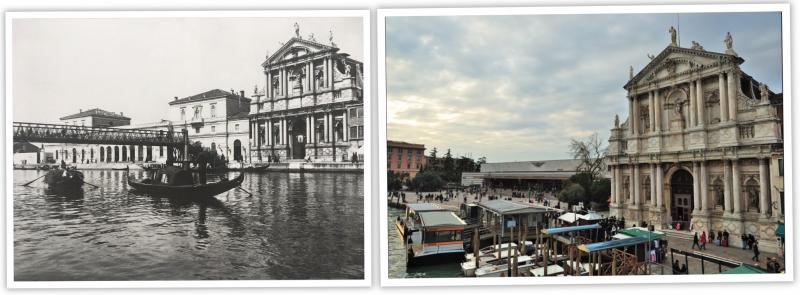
489, 250
468, 267
524, 263
552, 270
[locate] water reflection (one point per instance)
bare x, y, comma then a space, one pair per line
112, 234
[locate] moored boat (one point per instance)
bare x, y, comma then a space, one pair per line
176, 182
523, 263
431, 233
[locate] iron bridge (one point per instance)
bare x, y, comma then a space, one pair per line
57, 133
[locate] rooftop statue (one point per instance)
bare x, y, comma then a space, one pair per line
696, 46
652, 57
311, 37
616, 121
296, 30
630, 72
729, 44
764, 91
674, 36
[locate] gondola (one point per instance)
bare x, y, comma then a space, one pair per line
174, 182
64, 179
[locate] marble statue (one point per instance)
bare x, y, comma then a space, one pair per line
652, 57
630, 72
616, 121
347, 69
696, 46
764, 91
296, 30
673, 36
311, 37
728, 41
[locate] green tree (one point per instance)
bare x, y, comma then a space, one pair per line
427, 181
433, 153
600, 191
572, 194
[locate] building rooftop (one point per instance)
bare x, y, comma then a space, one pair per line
440, 218
568, 165
422, 207
392, 143
96, 113
504, 207
211, 94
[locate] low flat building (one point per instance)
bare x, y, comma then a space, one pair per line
540, 175
404, 157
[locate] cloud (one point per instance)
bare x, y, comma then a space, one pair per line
520, 87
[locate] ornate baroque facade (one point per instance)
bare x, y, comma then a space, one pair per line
698, 147
312, 107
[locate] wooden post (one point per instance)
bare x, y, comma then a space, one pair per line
476, 247
613, 263
546, 256
185, 149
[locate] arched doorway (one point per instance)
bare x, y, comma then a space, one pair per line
681, 205
74, 155
102, 154
108, 154
140, 154
149, 154
132, 148
237, 150
116, 154
125, 153
83, 155
297, 141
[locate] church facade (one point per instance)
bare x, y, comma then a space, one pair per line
312, 107
702, 148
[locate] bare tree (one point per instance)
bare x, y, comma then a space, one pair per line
591, 153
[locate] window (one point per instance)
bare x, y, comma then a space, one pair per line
213, 110
356, 113
213, 129
83, 122
161, 151
780, 167
196, 129
236, 127
337, 94
183, 114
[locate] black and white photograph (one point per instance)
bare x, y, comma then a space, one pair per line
188, 146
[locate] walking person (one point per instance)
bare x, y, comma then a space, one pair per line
755, 251
695, 241
703, 241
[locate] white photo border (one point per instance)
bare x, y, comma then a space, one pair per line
366, 281
383, 14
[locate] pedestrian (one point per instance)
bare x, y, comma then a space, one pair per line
703, 240
755, 251
744, 241
696, 241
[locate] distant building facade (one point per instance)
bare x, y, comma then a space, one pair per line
218, 119
545, 175
404, 157
312, 106
700, 146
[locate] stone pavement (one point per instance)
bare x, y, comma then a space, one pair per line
732, 253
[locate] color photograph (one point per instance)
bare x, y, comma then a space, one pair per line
602, 143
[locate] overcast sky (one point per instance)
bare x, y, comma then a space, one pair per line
137, 65
516, 88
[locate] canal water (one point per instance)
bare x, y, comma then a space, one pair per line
397, 258
294, 226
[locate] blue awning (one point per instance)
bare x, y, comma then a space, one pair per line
612, 244
564, 229
779, 230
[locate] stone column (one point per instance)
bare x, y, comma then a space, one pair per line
637, 186
701, 103
659, 186
733, 86
737, 187
308, 127
345, 127
269, 85
704, 187
658, 110
325, 128
764, 198
631, 186
723, 99
631, 116
652, 185
619, 185
613, 185
652, 113
692, 105
309, 76
727, 190
696, 186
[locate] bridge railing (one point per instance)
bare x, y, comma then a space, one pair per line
56, 133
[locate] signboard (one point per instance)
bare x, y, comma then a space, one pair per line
511, 223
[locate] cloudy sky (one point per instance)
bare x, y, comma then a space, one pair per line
515, 88
137, 65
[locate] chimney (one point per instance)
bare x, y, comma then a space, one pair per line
176, 98
241, 93
121, 114
80, 110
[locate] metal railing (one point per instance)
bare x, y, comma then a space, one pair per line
56, 133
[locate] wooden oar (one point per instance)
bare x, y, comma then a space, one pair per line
91, 184
244, 190
37, 178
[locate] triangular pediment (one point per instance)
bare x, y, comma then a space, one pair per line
296, 47
674, 60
